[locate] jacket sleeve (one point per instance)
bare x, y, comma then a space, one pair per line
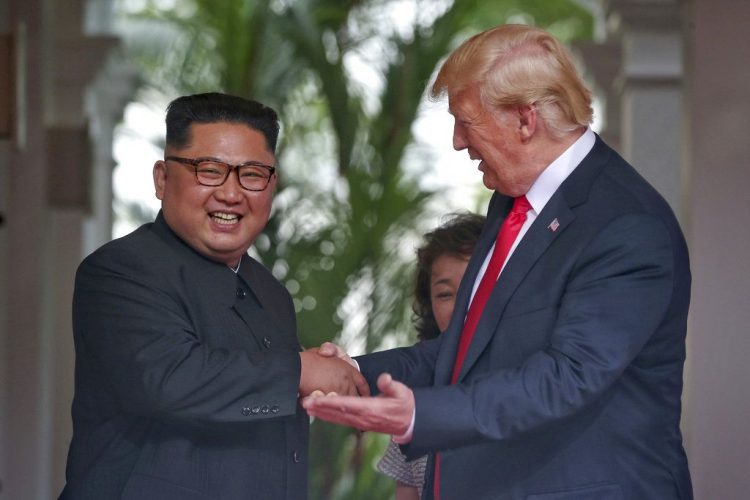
413, 366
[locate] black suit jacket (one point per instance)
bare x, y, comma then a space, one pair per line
186, 377
571, 386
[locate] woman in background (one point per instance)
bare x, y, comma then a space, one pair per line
441, 262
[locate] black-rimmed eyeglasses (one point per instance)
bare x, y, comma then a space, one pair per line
252, 175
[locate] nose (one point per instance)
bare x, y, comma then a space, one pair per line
230, 192
459, 137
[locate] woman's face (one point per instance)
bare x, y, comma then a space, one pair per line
445, 277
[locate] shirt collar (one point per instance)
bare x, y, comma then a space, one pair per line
559, 170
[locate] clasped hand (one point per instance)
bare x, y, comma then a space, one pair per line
330, 374
390, 412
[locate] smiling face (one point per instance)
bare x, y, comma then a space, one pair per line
499, 139
445, 276
218, 222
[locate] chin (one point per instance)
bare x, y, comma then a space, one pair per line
489, 184
230, 259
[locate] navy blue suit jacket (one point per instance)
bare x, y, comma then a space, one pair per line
571, 388
186, 377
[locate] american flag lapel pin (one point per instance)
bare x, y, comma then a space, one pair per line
553, 225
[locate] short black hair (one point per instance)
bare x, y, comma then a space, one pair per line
457, 237
215, 107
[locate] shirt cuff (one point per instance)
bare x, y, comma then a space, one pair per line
406, 437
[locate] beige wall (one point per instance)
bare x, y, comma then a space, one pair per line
717, 147
46, 173
24, 189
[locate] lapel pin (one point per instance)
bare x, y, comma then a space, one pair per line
553, 225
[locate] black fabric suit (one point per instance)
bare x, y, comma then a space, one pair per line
186, 377
571, 386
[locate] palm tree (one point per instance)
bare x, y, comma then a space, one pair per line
345, 204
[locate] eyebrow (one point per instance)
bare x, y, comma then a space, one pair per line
444, 281
257, 163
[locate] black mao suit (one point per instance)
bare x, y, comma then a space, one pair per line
571, 386
186, 377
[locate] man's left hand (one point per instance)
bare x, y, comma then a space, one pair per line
389, 413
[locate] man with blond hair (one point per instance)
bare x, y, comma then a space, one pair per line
560, 374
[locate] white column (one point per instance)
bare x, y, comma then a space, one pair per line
650, 90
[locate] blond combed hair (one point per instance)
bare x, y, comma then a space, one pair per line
519, 65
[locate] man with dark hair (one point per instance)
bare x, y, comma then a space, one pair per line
188, 366
560, 373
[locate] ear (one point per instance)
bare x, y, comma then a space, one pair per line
527, 117
160, 178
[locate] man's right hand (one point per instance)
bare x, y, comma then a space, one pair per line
330, 375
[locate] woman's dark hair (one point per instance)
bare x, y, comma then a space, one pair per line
458, 237
214, 107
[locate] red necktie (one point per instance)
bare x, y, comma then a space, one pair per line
505, 238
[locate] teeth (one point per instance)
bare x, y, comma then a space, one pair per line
225, 218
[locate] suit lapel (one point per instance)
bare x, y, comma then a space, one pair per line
498, 209
554, 219
531, 248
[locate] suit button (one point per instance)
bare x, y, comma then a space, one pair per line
255, 410
264, 409
275, 409
267, 342
246, 411
241, 293
296, 457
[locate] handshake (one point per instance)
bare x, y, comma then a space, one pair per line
329, 370
333, 389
